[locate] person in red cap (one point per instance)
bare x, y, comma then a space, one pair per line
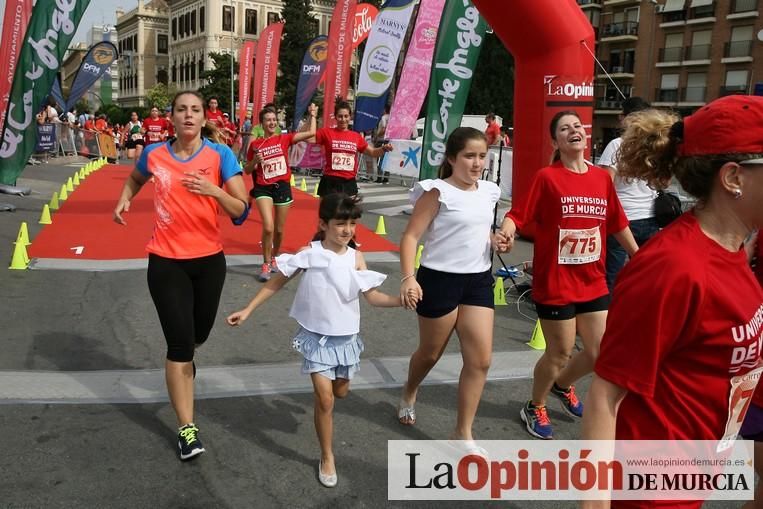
680, 358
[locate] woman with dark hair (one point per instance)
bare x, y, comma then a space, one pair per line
686, 364
268, 163
573, 207
453, 289
133, 134
186, 263
327, 308
341, 149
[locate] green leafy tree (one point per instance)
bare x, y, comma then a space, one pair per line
493, 82
218, 80
160, 95
299, 30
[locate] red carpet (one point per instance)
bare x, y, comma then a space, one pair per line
85, 221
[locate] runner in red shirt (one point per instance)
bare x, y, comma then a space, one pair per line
194, 180
574, 207
155, 128
170, 127
268, 163
493, 131
680, 358
214, 115
342, 148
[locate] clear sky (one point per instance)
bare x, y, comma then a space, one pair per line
97, 13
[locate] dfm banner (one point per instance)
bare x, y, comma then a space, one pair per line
245, 80
365, 15
553, 71
50, 31
338, 65
380, 61
310, 75
57, 94
412, 88
96, 63
15, 22
459, 40
266, 67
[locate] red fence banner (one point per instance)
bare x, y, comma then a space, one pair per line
246, 59
337, 75
15, 23
266, 67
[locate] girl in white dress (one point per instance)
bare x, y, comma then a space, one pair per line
327, 309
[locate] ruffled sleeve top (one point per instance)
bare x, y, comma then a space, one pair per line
458, 239
328, 296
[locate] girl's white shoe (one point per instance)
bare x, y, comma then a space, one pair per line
328, 481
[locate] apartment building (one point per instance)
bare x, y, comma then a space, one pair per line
200, 27
677, 54
143, 44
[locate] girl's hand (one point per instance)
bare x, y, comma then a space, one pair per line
198, 185
410, 293
501, 242
238, 317
122, 206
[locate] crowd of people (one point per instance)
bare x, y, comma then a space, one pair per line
691, 283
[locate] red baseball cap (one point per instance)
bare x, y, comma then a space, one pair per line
729, 125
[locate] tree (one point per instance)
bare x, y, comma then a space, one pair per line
299, 30
218, 80
493, 81
160, 95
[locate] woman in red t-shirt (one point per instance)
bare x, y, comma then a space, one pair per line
155, 128
573, 207
341, 149
268, 163
680, 358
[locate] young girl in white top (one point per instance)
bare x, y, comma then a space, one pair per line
453, 288
328, 311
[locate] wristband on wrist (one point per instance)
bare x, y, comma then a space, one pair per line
407, 277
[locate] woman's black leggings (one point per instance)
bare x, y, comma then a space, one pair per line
186, 294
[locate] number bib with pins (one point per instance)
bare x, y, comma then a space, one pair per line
273, 168
343, 162
577, 247
740, 396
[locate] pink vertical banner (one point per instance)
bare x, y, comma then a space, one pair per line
414, 80
266, 67
244, 79
15, 23
337, 75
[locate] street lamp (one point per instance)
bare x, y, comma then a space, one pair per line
232, 30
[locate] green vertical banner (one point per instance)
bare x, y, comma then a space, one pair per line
50, 31
459, 40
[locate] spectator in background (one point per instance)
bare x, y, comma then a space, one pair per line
379, 139
505, 136
170, 126
214, 115
636, 197
228, 130
493, 131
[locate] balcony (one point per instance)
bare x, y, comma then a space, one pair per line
625, 30
666, 95
673, 16
737, 49
584, 4
607, 104
694, 94
740, 6
699, 52
704, 13
671, 54
733, 90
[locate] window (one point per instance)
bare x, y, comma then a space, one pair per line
161, 76
193, 22
594, 16
673, 50
273, 17
228, 18
188, 29
135, 42
251, 22
192, 69
182, 25
162, 44
741, 42
174, 72
668, 91
700, 45
202, 20
736, 82
174, 28
696, 84
201, 67
316, 26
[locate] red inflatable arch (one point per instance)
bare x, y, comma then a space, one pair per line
554, 72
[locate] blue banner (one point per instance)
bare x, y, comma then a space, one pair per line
380, 61
310, 74
57, 94
96, 63
46, 138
